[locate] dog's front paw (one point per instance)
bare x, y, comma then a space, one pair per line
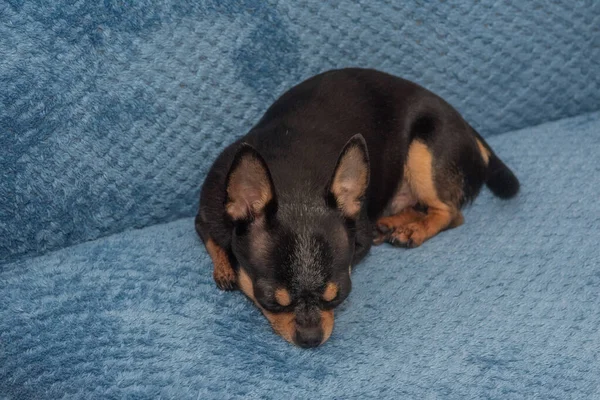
381, 233
225, 278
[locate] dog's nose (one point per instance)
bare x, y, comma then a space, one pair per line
309, 337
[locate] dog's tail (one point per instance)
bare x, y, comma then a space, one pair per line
499, 178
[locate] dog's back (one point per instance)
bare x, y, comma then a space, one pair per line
301, 134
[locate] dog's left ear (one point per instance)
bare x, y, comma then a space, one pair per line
249, 185
351, 177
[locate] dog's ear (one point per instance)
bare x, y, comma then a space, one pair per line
351, 177
249, 185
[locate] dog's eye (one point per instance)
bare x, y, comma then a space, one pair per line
275, 301
330, 305
275, 308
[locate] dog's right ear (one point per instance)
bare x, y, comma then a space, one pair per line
249, 185
351, 177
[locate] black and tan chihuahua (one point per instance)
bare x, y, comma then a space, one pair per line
344, 160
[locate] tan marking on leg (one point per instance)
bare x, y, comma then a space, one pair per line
406, 216
485, 153
415, 233
420, 176
223, 272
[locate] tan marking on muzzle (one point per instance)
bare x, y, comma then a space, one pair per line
326, 324
283, 323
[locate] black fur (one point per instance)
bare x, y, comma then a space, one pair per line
498, 177
501, 180
300, 138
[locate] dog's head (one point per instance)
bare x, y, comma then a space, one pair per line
295, 258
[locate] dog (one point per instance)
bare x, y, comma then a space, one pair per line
347, 159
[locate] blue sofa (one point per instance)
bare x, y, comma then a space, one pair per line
111, 112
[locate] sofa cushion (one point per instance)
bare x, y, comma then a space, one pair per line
112, 111
505, 306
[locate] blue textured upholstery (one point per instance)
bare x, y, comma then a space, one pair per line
111, 111
505, 307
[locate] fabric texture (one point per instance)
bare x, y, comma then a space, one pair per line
506, 306
112, 111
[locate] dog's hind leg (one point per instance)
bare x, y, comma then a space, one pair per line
410, 227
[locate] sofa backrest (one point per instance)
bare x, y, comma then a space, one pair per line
111, 112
